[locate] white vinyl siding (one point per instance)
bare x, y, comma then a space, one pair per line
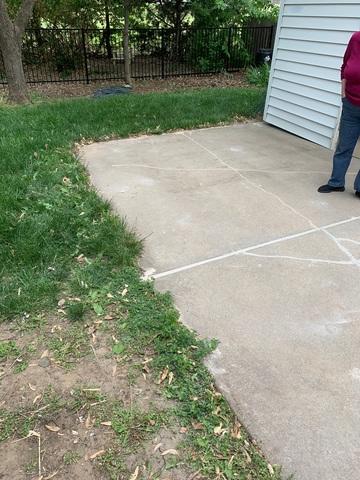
304, 88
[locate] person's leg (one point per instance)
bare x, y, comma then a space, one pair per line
348, 136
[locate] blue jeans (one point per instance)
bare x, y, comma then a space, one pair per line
348, 136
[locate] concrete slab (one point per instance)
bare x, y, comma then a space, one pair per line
288, 358
258, 259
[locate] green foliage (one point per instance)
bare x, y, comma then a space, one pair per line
217, 13
69, 345
71, 457
258, 76
8, 349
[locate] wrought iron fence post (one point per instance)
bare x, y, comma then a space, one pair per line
228, 62
271, 39
85, 56
162, 54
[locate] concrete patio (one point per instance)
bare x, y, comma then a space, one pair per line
255, 257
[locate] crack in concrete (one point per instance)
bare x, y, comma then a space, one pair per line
241, 170
169, 169
341, 247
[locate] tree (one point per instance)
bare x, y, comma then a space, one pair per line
11, 35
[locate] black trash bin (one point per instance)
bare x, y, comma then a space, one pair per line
264, 55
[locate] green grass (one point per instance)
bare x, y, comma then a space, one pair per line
70, 458
49, 215
8, 349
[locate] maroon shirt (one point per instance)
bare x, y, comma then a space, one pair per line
350, 70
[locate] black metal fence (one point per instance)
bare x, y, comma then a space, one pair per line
79, 55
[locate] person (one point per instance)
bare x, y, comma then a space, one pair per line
349, 131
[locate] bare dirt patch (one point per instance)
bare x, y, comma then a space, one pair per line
95, 419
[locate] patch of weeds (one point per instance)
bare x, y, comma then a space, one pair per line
21, 365
113, 464
31, 467
53, 401
8, 349
86, 397
28, 323
14, 423
20, 422
258, 76
133, 426
70, 458
69, 345
118, 348
76, 311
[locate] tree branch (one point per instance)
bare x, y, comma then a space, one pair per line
23, 16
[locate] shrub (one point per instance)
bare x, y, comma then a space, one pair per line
258, 76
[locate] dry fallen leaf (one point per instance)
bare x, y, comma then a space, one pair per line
218, 430
109, 295
171, 451
171, 377
61, 302
247, 456
157, 447
45, 354
270, 468
88, 422
135, 474
236, 431
163, 375
124, 292
197, 426
37, 398
106, 424
96, 454
152, 422
183, 430
108, 317
52, 427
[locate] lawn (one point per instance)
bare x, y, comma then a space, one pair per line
72, 304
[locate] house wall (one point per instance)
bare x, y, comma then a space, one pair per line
304, 88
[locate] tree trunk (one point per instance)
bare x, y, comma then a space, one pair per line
107, 32
178, 27
11, 52
11, 34
127, 59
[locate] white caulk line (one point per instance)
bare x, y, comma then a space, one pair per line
301, 259
341, 247
355, 242
251, 248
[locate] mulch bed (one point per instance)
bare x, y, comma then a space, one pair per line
171, 84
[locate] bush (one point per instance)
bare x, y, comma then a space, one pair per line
258, 76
